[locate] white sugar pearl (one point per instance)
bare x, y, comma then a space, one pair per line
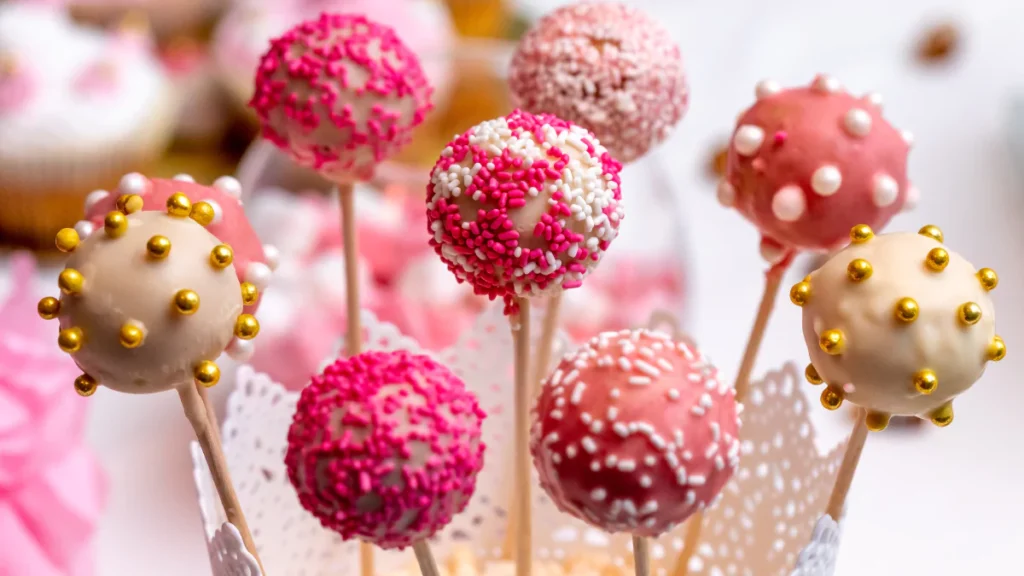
84, 228
183, 178
272, 255
885, 190
913, 196
94, 197
748, 140
857, 122
789, 203
726, 194
229, 185
133, 183
240, 350
908, 137
875, 99
766, 88
826, 84
771, 253
826, 180
258, 274
218, 212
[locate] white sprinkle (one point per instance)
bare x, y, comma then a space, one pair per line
681, 476
711, 451
560, 401
687, 455
646, 352
556, 458
612, 412
639, 380
719, 463
697, 480
658, 441
589, 445
687, 353
766, 88
748, 139
885, 190
664, 364
649, 508
620, 429
691, 497
627, 465
614, 393
597, 426
595, 466
697, 410
577, 392
908, 137
875, 99
677, 436
647, 369
625, 364
673, 394
84, 228
789, 204
857, 122
570, 451
556, 414
672, 460
571, 377
610, 460
586, 418
706, 401
629, 507
650, 460
97, 196
183, 178
825, 83
556, 378
598, 494
826, 180
646, 481
551, 438
716, 431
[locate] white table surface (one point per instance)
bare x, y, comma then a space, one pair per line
937, 502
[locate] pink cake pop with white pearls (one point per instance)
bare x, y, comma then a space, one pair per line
340, 94
523, 205
385, 447
807, 164
634, 433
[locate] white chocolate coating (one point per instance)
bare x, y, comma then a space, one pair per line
881, 354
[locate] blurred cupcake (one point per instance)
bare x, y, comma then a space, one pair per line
203, 117
78, 109
169, 18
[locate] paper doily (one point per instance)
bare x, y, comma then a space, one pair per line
228, 555
757, 524
819, 557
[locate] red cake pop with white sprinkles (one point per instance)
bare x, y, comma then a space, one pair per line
807, 164
607, 67
634, 432
523, 205
385, 447
340, 94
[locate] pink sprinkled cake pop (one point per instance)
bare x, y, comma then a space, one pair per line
340, 94
523, 205
385, 447
607, 67
634, 433
808, 164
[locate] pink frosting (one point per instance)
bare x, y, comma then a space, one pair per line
230, 226
634, 433
385, 447
340, 94
807, 164
607, 67
98, 78
17, 86
508, 220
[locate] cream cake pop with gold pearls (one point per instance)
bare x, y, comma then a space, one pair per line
898, 324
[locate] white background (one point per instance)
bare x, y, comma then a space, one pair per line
935, 502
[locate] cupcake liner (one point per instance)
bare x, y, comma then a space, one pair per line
39, 196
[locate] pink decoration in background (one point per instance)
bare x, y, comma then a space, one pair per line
98, 78
52, 490
16, 85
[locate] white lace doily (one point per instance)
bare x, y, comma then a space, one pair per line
745, 526
819, 557
228, 555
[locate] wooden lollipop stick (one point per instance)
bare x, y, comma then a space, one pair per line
209, 441
772, 283
522, 508
844, 479
425, 558
211, 412
641, 556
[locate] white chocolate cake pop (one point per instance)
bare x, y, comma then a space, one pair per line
898, 324
149, 304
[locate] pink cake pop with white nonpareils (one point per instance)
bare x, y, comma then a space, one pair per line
807, 164
385, 447
607, 67
634, 433
523, 205
340, 94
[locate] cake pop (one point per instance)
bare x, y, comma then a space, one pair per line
523, 205
607, 67
634, 433
898, 324
385, 447
807, 164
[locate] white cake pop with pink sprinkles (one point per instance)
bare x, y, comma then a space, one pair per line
634, 433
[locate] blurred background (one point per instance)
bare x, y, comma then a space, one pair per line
160, 87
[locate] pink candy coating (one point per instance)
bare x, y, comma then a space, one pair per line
385, 447
633, 433
340, 94
807, 164
607, 67
523, 205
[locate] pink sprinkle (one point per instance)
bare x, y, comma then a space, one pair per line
780, 137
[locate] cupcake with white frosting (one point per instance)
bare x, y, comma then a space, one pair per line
78, 109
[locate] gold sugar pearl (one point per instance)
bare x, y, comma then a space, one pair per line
221, 256
206, 373
859, 270
937, 259
812, 376
861, 234
48, 308
178, 205
832, 342
996, 349
942, 416
86, 385
131, 336
70, 281
800, 293
877, 421
158, 247
67, 240
931, 232
250, 294
70, 340
129, 203
202, 212
115, 224
186, 302
247, 327
925, 381
831, 398
988, 278
906, 310
969, 313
